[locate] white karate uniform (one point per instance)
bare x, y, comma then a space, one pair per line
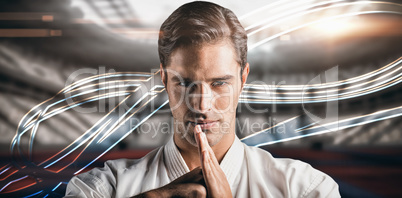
250, 171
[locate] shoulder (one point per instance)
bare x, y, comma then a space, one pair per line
143, 163
103, 180
118, 166
300, 178
264, 160
286, 165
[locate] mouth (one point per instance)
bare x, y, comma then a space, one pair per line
205, 124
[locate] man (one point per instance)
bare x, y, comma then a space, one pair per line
203, 54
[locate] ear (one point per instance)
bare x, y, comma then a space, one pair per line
244, 75
163, 75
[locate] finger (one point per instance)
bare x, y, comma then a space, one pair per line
205, 166
208, 173
204, 150
203, 143
196, 135
209, 149
198, 132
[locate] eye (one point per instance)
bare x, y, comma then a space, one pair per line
218, 83
184, 83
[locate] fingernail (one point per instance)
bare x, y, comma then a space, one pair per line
198, 128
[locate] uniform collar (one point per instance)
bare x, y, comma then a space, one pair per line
230, 164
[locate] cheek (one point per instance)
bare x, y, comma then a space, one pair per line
226, 101
174, 93
176, 102
175, 96
223, 103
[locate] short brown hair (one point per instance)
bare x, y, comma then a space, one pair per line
199, 22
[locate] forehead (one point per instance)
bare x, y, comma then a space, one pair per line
204, 61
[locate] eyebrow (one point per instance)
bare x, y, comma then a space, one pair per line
177, 79
226, 77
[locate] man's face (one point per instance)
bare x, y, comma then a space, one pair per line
204, 85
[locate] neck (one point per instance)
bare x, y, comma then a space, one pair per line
190, 153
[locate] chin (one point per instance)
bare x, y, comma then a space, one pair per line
213, 139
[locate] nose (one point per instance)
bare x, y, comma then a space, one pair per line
201, 98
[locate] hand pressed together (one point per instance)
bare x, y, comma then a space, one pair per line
207, 180
215, 179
